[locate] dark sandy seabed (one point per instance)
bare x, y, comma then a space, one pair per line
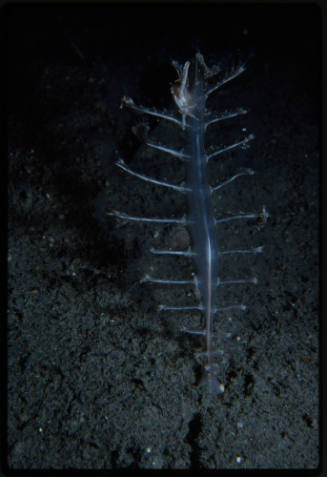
97, 379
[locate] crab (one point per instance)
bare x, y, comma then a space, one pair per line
181, 94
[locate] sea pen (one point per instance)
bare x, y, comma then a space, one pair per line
204, 250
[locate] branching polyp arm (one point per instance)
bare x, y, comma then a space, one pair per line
232, 146
151, 112
121, 164
263, 216
249, 172
122, 215
226, 115
179, 154
225, 80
